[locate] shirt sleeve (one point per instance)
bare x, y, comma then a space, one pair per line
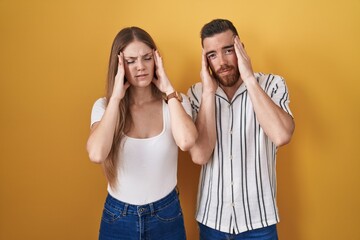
194, 94
98, 110
276, 88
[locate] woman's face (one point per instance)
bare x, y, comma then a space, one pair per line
139, 64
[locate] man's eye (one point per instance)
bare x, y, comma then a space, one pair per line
211, 56
229, 51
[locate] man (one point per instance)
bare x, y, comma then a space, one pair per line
242, 118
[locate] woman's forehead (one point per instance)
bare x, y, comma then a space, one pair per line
136, 49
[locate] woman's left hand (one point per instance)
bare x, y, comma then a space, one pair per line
161, 82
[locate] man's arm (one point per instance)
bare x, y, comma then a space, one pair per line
204, 146
276, 123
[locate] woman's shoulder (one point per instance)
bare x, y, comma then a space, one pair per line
100, 102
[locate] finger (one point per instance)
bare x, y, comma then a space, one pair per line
155, 57
238, 44
120, 61
126, 85
154, 80
237, 48
204, 62
158, 58
241, 46
121, 58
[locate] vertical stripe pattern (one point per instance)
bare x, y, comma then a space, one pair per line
237, 188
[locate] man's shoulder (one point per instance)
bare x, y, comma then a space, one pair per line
261, 75
197, 85
195, 89
268, 78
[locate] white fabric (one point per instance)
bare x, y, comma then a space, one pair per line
147, 169
237, 189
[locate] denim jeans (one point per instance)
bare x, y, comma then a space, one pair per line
266, 233
162, 219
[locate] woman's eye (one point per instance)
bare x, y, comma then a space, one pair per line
130, 62
148, 58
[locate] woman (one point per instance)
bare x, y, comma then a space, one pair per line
135, 135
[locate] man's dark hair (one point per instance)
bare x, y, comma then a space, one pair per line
216, 26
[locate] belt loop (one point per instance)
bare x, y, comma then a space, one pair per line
125, 209
177, 191
152, 209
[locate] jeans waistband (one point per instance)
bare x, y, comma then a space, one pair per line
150, 208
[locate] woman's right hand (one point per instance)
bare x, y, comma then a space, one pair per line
120, 86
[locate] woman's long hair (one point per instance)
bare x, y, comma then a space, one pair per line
122, 39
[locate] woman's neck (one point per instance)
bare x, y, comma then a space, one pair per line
140, 96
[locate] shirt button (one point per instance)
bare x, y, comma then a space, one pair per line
232, 204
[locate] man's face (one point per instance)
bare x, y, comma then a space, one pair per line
221, 56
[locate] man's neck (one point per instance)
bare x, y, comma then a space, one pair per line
230, 91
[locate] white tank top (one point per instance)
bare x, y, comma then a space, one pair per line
147, 169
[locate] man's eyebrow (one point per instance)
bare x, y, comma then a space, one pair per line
144, 55
210, 52
230, 46
213, 51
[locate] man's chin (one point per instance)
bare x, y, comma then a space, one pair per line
227, 81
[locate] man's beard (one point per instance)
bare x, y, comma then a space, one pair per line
227, 80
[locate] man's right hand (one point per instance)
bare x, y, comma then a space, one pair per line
209, 83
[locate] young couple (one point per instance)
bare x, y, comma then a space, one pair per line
240, 119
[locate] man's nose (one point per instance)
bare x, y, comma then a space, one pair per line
222, 59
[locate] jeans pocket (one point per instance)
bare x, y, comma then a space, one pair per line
170, 213
110, 214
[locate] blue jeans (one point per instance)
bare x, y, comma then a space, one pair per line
162, 219
266, 233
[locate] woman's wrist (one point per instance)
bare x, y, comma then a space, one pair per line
115, 99
169, 90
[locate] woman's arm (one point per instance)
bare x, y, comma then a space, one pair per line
183, 128
102, 133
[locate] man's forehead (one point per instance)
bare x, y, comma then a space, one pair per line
218, 41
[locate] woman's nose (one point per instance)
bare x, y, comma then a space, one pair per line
140, 65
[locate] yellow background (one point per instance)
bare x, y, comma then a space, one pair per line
53, 61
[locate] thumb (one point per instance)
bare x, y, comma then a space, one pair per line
126, 85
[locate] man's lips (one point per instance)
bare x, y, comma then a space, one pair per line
225, 70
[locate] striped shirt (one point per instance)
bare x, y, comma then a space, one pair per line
237, 188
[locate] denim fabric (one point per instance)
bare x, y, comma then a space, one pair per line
159, 220
266, 233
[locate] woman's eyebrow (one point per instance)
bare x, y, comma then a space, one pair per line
146, 54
